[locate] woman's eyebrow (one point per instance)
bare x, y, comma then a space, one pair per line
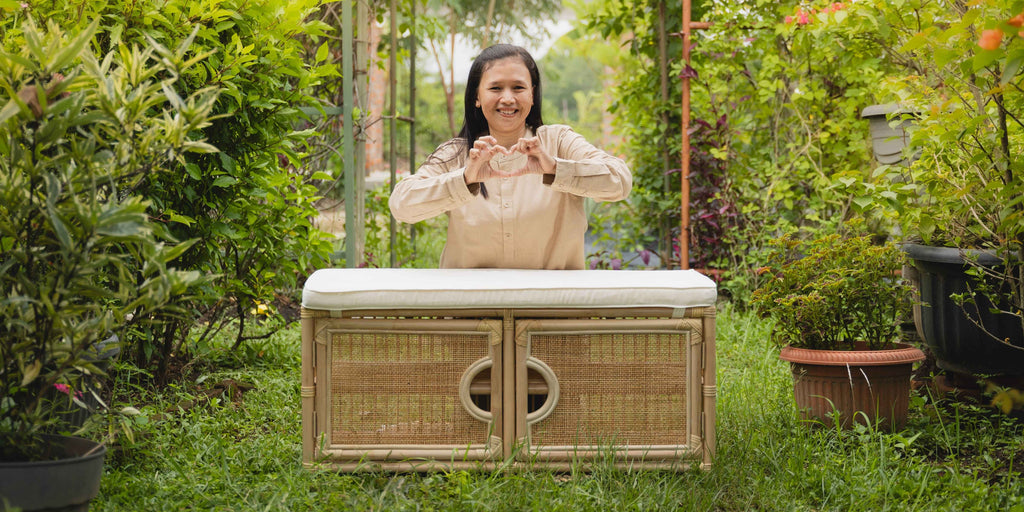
514, 81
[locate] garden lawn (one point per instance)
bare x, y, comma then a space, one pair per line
192, 452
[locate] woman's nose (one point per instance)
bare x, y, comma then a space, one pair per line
507, 96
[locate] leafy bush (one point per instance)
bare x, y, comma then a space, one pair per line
422, 250
960, 70
247, 207
831, 292
81, 257
650, 126
776, 134
617, 236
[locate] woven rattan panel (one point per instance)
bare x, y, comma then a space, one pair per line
616, 388
402, 388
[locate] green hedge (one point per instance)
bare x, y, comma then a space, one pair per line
245, 207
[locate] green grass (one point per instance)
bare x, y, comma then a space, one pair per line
228, 455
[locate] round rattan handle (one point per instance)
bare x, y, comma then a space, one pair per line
548, 407
464, 392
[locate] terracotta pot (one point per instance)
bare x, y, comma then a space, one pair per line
868, 386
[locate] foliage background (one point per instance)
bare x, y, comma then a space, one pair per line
245, 207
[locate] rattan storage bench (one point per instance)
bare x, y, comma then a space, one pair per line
421, 369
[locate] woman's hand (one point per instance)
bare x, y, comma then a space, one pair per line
478, 168
537, 160
488, 159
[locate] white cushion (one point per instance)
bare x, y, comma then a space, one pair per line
361, 288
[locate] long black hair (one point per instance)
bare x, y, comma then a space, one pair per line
474, 124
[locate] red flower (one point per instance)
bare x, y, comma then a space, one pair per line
1017, 20
991, 39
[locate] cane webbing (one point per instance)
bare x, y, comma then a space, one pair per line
621, 388
403, 388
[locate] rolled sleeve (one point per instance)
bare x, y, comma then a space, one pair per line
583, 170
429, 193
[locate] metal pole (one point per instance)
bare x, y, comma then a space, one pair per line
684, 232
393, 131
348, 149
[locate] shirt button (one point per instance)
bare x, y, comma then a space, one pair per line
508, 235
508, 204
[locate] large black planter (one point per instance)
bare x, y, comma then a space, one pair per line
67, 484
956, 342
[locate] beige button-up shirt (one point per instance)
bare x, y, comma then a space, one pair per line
532, 221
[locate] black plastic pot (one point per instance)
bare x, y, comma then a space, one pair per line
68, 484
955, 340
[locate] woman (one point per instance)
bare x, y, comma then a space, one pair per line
513, 188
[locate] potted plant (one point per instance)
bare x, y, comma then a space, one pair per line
960, 202
81, 257
838, 303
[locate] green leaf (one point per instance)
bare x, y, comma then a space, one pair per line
11, 109
1012, 68
199, 147
168, 254
919, 40
983, 58
31, 372
74, 47
944, 56
224, 181
183, 219
863, 201
60, 229
321, 53
927, 225
227, 162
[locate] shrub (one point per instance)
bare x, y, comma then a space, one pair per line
81, 257
247, 207
831, 292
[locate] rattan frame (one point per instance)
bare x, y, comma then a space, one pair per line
509, 354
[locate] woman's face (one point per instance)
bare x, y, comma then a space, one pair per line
505, 96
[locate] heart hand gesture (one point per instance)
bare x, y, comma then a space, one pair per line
488, 159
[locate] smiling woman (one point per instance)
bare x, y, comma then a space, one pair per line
513, 188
